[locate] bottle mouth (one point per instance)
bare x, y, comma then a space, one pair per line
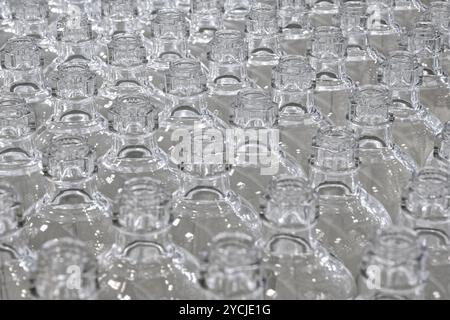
126, 50
143, 205
262, 12
328, 42
253, 108
228, 46
293, 73
16, 117
290, 203
402, 70
170, 17
74, 29
185, 77
74, 79
425, 30
21, 54
370, 105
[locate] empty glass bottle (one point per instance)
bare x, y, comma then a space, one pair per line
206, 18
253, 146
74, 90
143, 253
30, 18
232, 268
300, 267
205, 204
72, 206
20, 161
414, 126
119, 16
349, 216
134, 151
16, 259
426, 209
385, 168
393, 267
293, 85
440, 156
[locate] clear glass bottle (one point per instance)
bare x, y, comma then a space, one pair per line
143, 253
206, 18
253, 146
134, 151
300, 267
440, 156
227, 61
20, 161
67, 270
414, 126
295, 23
385, 167
119, 16
438, 13
293, 86
30, 18
349, 215
232, 268
75, 109
262, 31
168, 38
16, 259
22, 61
425, 43
426, 209
72, 206
205, 203
393, 267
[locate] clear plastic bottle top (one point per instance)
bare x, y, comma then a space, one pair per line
207, 7
328, 43
21, 54
185, 78
228, 47
290, 204
293, 73
335, 149
262, 19
17, 119
170, 24
425, 40
393, 266
353, 16
74, 80
439, 14
126, 50
254, 109
426, 197
65, 270
119, 10
69, 158
370, 105
134, 114
401, 70
30, 11
232, 268
74, 29
143, 206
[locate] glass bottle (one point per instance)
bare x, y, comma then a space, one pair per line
385, 167
232, 268
143, 253
295, 23
393, 267
134, 151
16, 259
438, 13
119, 16
206, 18
349, 216
414, 126
440, 156
205, 204
300, 267
293, 86
20, 161
262, 31
74, 90
72, 206
30, 18
426, 209
253, 145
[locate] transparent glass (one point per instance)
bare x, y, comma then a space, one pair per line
236, 9
262, 31
232, 268
75, 109
299, 267
30, 17
144, 253
426, 208
440, 156
206, 18
71, 206
293, 85
349, 215
20, 161
16, 259
294, 19
385, 167
393, 267
119, 16
134, 151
